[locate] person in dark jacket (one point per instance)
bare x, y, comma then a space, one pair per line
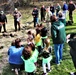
71, 8
35, 16
17, 16
43, 12
43, 33
52, 9
71, 40
3, 21
58, 37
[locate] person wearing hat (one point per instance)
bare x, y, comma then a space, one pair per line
17, 16
3, 21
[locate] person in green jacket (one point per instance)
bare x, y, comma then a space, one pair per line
58, 8
29, 60
58, 37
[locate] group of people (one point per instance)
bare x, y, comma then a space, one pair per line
3, 20
38, 45
46, 12
26, 57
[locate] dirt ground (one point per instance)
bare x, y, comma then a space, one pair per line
5, 41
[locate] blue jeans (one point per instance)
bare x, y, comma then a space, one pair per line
57, 13
35, 21
58, 52
65, 13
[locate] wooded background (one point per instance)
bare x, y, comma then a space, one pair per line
9, 5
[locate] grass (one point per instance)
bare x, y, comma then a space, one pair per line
65, 67
1, 56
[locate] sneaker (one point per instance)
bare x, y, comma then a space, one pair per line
49, 70
44, 74
15, 30
12, 69
60, 61
1, 47
16, 71
72, 73
19, 29
58, 64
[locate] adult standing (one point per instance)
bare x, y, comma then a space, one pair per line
52, 9
43, 12
71, 8
3, 21
65, 8
58, 37
17, 16
47, 17
48, 14
35, 16
58, 8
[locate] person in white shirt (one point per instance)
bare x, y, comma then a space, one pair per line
17, 16
48, 14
